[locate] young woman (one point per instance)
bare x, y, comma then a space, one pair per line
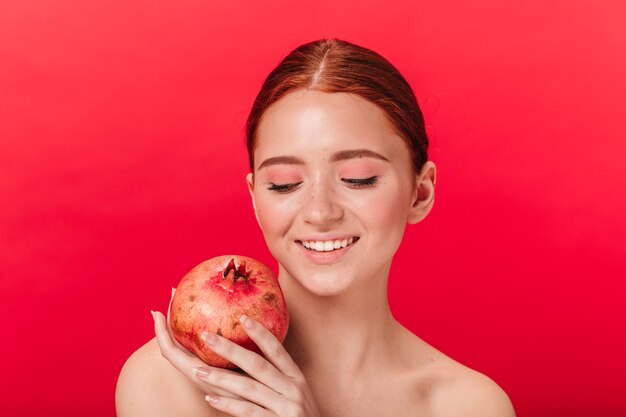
339, 167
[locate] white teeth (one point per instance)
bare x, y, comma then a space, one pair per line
327, 245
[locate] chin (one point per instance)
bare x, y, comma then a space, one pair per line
322, 283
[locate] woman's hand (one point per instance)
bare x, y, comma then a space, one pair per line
271, 388
179, 356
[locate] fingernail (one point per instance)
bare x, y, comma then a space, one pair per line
210, 339
212, 398
201, 372
247, 323
153, 317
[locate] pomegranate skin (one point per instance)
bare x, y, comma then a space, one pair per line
215, 294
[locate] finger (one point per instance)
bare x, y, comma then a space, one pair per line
183, 360
245, 387
251, 362
271, 347
238, 408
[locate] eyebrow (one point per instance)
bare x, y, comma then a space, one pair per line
337, 156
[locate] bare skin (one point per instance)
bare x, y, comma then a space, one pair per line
346, 350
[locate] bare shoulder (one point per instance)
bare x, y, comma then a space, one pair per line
149, 385
465, 392
441, 386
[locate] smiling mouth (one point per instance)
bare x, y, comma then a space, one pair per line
329, 245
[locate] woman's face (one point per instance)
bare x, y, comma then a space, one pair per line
333, 189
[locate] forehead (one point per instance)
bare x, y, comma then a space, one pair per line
310, 121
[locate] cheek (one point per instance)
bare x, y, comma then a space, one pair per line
274, 215
384, 215
386, 208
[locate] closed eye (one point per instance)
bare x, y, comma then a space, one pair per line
352, 182
361, 182
283, 188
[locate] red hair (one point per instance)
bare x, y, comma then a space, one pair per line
334, 65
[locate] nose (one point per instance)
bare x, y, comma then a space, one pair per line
321, 206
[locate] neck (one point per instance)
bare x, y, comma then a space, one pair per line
343, 335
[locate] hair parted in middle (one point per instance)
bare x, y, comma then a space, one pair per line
333, 66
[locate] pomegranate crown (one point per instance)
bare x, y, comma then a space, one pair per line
233, 272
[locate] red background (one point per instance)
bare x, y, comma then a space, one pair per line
122, 166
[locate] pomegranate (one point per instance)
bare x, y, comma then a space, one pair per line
215, 294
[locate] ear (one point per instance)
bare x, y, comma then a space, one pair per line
250, 183
423, 193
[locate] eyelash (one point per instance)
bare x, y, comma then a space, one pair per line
354, 183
